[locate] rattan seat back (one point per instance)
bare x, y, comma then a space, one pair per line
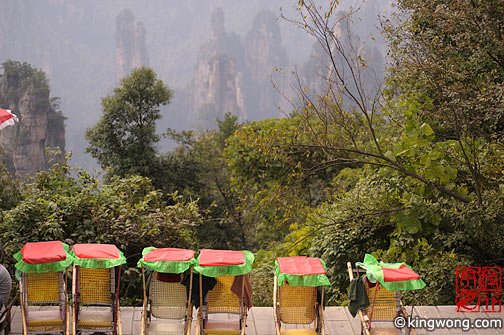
297, 304
44, 288
221, 299
95, 286
386, 303
168, 300
41, 289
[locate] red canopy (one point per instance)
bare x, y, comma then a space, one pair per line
169, 255
7, 118
402, 274
209, 257
43, 252
300, 265
98, 251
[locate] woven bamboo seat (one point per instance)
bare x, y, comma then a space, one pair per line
386, 303
95, 295
221, 299
297, 304
45, 320
168, 300
295, 290
222, 327
43, 289
95, 318
386, 306
298, 332
385, 331
94, 286
164, 328
169, 305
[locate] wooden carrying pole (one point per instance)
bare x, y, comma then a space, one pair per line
189, 305
361, 315
117, 307
321, 313
119, 320
75, 309
144, 306
243, 308
67, 312
275, 306
199, 326
22, 305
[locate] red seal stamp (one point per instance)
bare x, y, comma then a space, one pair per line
478, 289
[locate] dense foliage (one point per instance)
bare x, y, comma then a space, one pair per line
70, 205
426, 182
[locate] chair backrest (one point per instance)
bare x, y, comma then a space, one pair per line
386, 303
44, 288
297, 304
221, 299
96, 286
168, 300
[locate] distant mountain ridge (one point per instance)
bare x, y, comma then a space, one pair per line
75, 43
232, 74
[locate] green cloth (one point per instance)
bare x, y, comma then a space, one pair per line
302, 280
374, 273
41, 268
232, 270
98, 263
165, 266
358, 296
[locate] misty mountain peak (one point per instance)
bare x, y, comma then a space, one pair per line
217, 27
131, 49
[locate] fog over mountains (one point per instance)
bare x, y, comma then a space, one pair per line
217, 56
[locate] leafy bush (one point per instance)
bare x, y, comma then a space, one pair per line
70, 205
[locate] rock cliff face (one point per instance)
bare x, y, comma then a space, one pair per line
217, 90
319, 76
25, 91
131, 50
264, 51
232, 75
70, 43
217, 85
364, 56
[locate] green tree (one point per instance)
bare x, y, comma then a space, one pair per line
70, 205
424, 185
393, 131
198, 169
276, 178
10, 192
125, 137
451, 55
